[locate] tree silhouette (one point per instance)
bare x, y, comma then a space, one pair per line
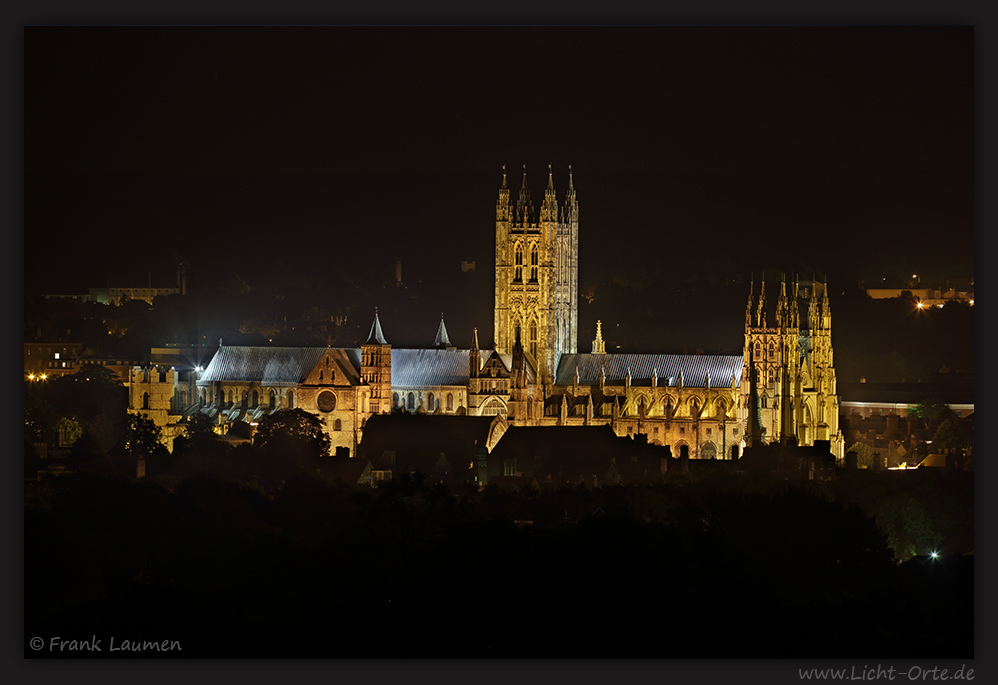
295, 429
143, 437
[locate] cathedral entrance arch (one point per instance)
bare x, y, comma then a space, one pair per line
708, 450
494, 406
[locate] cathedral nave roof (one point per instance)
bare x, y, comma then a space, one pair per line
694, 369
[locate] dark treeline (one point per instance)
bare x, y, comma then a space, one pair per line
694, 567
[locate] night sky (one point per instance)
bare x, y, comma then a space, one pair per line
846, 151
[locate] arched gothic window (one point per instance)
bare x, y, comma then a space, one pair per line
450, 402
429, 402
338, 425
145, 400
533, 338
395, 400
533, 263
291, 400
412, 402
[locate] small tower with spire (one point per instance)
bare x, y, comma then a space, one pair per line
376, 368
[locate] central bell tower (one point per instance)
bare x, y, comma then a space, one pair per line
537, 275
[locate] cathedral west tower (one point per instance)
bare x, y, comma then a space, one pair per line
537, 277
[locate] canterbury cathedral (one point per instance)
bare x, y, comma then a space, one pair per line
781, 388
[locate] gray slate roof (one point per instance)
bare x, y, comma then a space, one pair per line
694, 368
429, 368
264, 365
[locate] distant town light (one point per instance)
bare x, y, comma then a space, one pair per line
934, 554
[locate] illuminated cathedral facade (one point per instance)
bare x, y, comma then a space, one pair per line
781, 388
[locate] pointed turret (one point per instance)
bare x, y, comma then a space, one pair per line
442, 340
524, 207
781, 304
549, 210
795, 311
376, 336
502, 204
761, 315
474, 356
571, 207
599, 347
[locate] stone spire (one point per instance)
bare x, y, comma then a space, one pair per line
599, 347
376, 335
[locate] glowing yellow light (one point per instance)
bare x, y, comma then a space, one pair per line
920, 305
31, 376
971, 303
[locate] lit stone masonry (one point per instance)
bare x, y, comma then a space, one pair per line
781, 388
